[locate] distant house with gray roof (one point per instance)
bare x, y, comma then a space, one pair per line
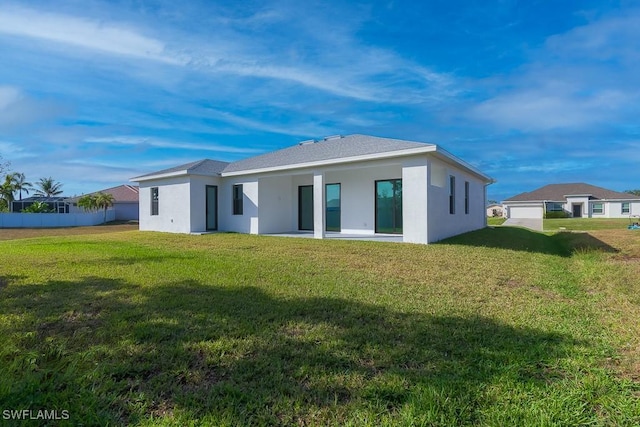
356, 185
572, 200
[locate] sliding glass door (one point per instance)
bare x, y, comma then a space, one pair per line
212, 207
389, 206
305, 207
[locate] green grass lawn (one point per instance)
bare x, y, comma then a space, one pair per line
498, 327
585, 224
495, 220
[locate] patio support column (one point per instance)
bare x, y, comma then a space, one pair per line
318, 205
415, 206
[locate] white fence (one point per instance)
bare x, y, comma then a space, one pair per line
51, 220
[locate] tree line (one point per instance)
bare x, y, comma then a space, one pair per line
16, 183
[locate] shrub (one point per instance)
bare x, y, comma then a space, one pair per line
37, 207
556, 214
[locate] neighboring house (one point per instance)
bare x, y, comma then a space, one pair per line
56, 204
572, 200
495, 210
126, 202
355, 184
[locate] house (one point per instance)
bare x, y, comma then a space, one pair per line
495, 210
55, 204
572, 200
126, 202
356, 184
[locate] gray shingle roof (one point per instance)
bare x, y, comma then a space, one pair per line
200, 167
557, 193
327, 149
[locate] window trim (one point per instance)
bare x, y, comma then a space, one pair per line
466, 197
452, 194
396, 183
622, 209
554, 207
326, 193
238, 199
155, 201
601, 209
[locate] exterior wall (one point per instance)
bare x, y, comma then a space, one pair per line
270, 203
174, 205
613, 209
357, 186
415, 200
248, 221
528, 210
127, 211
583, 201
198, 202
51, 220
443, 224
274, 204
297, 181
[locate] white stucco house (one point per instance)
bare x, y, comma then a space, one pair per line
354, 184
495, 210
575, 200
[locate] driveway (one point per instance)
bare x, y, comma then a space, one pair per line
530, 223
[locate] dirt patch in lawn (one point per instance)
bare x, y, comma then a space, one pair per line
26, 233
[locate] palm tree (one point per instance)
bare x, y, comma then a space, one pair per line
7, 189
19, 183
103, 201
88, 202
47, 187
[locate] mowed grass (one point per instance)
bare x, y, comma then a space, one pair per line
586, 224
495, 220
498, 327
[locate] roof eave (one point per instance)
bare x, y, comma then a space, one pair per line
328, 162
153, 177
171, 175
444, 153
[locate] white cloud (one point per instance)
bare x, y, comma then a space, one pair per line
340, 65
531, 110
305, 129
17, 109
82, 32
578, 80
161, 143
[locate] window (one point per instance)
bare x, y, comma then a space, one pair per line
598, 208
626, 208
237, 199
554, 207
388, 215
332, 203
452, 194
466, 197
154, 201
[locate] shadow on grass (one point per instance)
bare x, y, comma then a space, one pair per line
562, 244
112, 352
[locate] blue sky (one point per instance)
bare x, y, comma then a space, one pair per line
93, 93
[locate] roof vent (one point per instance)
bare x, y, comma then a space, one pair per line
332, 137
307, 142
